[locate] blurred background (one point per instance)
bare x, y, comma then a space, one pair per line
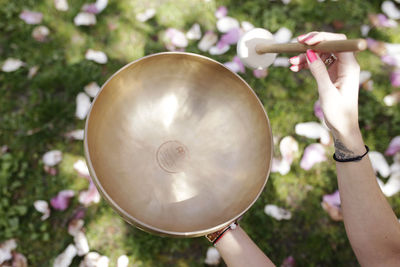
54, 56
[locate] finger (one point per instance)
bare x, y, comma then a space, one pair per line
297, 60
297, 68
304, 37
320, 73
324, 36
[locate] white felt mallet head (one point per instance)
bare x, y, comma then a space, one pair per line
246, 49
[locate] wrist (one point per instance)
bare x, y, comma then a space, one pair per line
350, 143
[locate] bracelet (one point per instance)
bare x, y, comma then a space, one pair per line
216, 236
358, 158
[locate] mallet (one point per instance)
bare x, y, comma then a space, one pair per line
258, 50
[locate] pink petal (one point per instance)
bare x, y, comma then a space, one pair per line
393, 147
50, 170
318, 110
40, 33
194, 33
237, 60
31, 17
176, 37
289, 262
280, 165
90, 8
231, 37
313, 154
5, 250
61, 201
288, 148
221, 12
75, 226
146, 15
81, 168
260, 73
90, 196
19, 260
218, 49
208, 40
52, 158
395, 78
332, 199
385, 22
313, 130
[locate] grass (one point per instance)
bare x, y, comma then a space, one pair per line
36, 113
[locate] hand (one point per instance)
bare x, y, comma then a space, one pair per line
337, 86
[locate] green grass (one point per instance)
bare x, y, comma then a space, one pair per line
36, 113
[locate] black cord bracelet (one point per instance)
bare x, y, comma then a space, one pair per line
358, 158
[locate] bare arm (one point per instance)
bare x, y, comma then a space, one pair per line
371, 224
237, 249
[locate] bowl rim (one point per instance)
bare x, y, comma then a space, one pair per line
125, 215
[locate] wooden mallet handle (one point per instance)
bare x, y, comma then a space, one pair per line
351, 45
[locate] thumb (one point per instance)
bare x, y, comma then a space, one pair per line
319, 71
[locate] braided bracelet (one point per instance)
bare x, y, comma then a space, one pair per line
358, 158
216, 236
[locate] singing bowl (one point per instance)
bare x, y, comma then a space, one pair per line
178, 144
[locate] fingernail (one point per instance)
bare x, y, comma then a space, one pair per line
308, 38
293, 59
294, 68
311, 55
301, 37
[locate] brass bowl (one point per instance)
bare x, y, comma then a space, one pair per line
178, 144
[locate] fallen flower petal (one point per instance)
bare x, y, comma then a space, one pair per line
76, 134
313, 130
221, 12
318, 110
237, 60
212, 257
94, 259
194, 32
40, 33
61, 5
50, 170
334, 212
365, 30
65, 258
379, 163
280, 165
82, 106
208, 40
313, 154
283, 35
33, 71
43, 207
81, 243
225, 24
217, 50
90, 196
90, 8
332, 199
52, 157
123, 261
394, 146
392, 99
395, 78
96, 56
85, 19
377, 47
5, 250
231, 37
146, 15
81, 168
92, 89
101, 5
19, 260
176, 38
31, 17
246, 26
390, 10
392, 186
277, 212
281, 62
260, 73
75, 226
12, 64
289, 262
288, 148
61, 201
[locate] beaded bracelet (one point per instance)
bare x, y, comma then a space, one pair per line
358, 158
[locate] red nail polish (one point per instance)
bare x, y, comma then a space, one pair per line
311, 55
308, 38
301, 36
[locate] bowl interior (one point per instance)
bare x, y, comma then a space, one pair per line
178, 144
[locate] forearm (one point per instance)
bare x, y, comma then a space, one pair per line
237, 249
371, 225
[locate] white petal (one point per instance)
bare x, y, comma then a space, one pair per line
97, 56
94, 259
313, 130
82, 105
365, 76
33, 71
392, 49
12, 64
66, 257
31, 17
281, 62
392, 99
283, 35
101, 5
215, 50
52, 158
208, 40
247, 26
390, 10
227, 23
392, 186
61, 5
40, 33
194, 33
123, 261
75, 226
365, 30
289, 148
76, 134
280, 165
379, 163
81, 168
277, 212
212, 257
92, 89
285, 2
176, 37
146, 15
43, 207
313, 154
85, 19
81, 243
5, 250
